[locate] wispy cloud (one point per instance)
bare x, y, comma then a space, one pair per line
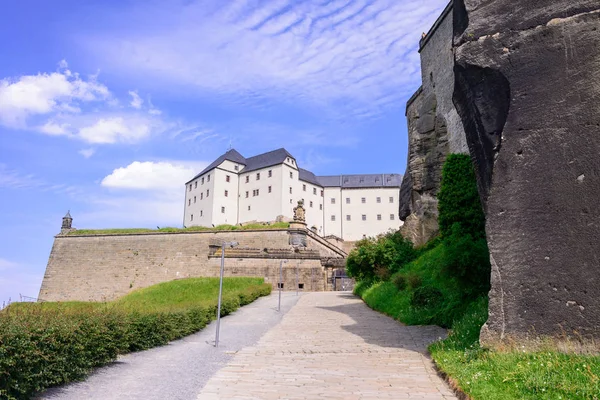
355, 54
62, 103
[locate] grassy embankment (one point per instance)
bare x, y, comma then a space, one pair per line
121, 231
442, 283
48, 344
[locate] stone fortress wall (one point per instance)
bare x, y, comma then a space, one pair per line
104, 267
434, 131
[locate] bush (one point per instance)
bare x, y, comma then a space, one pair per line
49, 344
400, 281
426, 297
379, 258
407, 281
458, 199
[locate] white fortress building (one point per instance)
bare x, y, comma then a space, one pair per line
265, 188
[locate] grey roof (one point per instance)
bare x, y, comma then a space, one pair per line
68, 215
230, 155
267, 159
307, 176
361, 181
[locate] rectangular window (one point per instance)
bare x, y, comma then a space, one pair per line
279, 285
202, 180
247, 193
248, 208
290, 190
258, 176
196, 185
227, 178
222, 210
208, 178
314, 190
348, 218
311, 204
363, 200
392, 217
236, 167
347, 200
247, 178
304, 188
201, 196
378, 217
333, 200
291, 175
333, 217
364, 217
227, 193
191, 217
190, 187
201, 212
270, 173
207, 192
321, 193
257, 192
194, 199
320, 206
270, 189
189, 202
391, 199
379, 199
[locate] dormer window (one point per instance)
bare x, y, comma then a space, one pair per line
236, 167
361, 180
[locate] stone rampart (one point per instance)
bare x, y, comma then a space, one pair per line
104, 267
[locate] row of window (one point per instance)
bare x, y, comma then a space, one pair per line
202, 196
363, 200
364, 217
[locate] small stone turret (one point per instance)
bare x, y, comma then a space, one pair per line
67, 224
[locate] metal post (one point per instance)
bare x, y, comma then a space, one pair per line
280, 284
220, 295
297, 279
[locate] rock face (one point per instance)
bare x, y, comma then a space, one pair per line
526, 88
434, 130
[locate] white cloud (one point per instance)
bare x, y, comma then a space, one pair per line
45, 93
148, 175
52, 128
136, 100
87, 153
358, 54
115, 129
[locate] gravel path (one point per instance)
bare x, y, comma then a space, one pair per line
180, 369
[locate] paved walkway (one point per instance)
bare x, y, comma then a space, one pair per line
332, 346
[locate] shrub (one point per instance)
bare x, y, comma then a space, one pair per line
458, 199
426, 297
379, 258
400, 281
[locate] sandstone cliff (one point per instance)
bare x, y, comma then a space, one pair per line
526, 89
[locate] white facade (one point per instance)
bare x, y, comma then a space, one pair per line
234, 190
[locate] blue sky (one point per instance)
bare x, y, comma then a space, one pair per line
108, 107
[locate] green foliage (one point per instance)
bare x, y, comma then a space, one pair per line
48, 344
426, 297
458, 199
378, 258
224, 227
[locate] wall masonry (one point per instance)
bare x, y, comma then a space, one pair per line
104, 267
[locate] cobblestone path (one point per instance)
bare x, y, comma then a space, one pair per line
332, 346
